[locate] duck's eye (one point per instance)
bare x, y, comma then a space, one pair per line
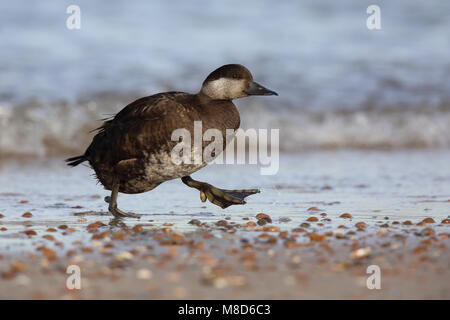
235, 76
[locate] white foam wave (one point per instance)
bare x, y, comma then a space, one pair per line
38, 129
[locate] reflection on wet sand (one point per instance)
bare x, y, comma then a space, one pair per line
297, 239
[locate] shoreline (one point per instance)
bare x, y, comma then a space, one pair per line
53, 217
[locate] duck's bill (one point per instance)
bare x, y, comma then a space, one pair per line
258, 90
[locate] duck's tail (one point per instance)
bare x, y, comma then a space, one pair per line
73, 162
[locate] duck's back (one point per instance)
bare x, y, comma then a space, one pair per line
136, 143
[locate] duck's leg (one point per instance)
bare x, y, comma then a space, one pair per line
222, 198
116, 212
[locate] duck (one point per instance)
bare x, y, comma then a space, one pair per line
131, 152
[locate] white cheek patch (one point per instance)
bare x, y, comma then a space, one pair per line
225, 88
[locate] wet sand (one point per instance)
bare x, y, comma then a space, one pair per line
330, 216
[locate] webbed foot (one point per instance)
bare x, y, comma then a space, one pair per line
220, 197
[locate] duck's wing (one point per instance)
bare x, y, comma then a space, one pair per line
147, 108
142, 127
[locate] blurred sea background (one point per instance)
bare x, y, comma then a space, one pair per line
340, 85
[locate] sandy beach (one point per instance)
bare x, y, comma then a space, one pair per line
312, 232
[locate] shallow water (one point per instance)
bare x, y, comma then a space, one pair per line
402, 185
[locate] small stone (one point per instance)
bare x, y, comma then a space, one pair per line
30, 232
195, 222
18, 266
221, 223
49, 237
124, 255
346, 216
264, 217
427, 232
262, 222
93, 225
339, 234
360, 225
305, 225
271, 229
317, 237
49, 254
144, 274
361, 253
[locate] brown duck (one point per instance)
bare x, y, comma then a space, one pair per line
131, 152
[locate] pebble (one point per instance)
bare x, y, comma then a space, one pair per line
317, 237
427, 232
305, 225
18, 266
144, 274
361, 253
262, 222
264, 216
195, 222
339, 234
124, 255
221, 223
360, 225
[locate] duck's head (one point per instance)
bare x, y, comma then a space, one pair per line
232, 81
